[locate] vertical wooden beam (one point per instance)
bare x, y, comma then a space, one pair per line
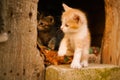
111, 39
19, 57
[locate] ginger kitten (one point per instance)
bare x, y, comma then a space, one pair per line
77, 37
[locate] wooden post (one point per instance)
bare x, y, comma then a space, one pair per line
19, 57
111, 39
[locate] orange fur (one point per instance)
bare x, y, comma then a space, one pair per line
77, 37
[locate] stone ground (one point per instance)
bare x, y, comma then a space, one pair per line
92, 72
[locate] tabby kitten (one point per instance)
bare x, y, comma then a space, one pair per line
77, 37
46, 31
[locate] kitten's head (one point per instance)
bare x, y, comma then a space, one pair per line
72, 19
45, 23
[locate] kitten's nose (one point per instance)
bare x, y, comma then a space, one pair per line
61, 28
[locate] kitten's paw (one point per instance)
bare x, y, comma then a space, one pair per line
84, 63
3, 37
61, 53
51, 43
75, 65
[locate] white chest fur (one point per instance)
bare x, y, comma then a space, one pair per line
74, 38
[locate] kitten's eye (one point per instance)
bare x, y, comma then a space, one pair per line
66, 25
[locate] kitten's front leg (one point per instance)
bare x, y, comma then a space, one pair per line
63, 47
76, 59
85, 56
52, 43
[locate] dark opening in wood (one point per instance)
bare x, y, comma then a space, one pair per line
94, 10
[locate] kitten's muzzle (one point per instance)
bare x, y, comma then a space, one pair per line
61, 28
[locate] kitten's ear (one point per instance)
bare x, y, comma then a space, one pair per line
51, 19
76, 18
38, 16
65, 7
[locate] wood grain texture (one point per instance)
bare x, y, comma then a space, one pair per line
111, 39
19, 58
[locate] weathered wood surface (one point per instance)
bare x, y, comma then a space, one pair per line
111, 39
19, 58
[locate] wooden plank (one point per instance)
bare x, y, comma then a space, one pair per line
111, 39
19, 58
